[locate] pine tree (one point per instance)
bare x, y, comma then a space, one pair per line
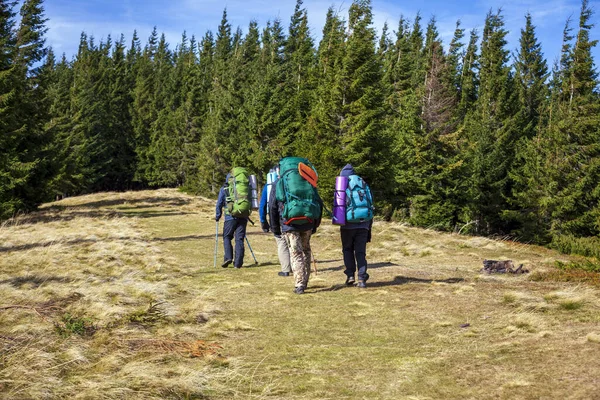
436, 166
272, 96
215, 154
143, 111
404, 108
531, 72
29, 139
66, 176
120, 136
456, 54
161, 156
573, 157
490, 138
469, 77
10, 176
322, 140
299, 62
365, 144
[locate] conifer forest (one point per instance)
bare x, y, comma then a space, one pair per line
468, 136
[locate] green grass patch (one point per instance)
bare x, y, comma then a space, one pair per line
70, 324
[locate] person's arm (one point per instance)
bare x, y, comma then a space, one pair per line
220, 204
263, 210
274, 211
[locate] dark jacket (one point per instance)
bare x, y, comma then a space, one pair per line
347, 171
222, 203
278, 224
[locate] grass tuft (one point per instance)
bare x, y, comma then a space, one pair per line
74, 325
593, 337
149, 315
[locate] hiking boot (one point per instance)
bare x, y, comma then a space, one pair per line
281, 273
237, 267
226, 263
361, 284
299, 290
350, 281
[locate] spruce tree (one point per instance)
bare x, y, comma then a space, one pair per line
566, 198
215, 154
323, 139
436, 166
66, 174
9, 161
404, 109
531, 72
29, 139
119, 175
299, 62
365, 143
272, 97
143, 111
491, 138
469, 77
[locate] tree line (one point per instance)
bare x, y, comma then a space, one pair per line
473, 138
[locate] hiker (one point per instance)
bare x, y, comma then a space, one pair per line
235, 198
356, 232
295, 221
282, 248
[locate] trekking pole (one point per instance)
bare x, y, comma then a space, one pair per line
216, 244
250, 247
314, 262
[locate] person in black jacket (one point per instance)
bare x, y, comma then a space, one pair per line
354, 244
233, 226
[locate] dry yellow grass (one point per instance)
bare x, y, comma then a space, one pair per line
135, 270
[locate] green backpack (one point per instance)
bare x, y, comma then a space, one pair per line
239, 202
301, 199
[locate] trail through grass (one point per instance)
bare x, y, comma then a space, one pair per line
429, 325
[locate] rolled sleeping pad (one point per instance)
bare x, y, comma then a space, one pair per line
254, 191
271, 178
339, 200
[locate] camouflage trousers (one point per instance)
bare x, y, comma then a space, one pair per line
300, 255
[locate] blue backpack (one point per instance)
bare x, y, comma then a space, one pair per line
359, 202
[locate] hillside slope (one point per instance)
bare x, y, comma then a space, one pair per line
115, 296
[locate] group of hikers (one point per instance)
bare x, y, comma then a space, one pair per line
290, 207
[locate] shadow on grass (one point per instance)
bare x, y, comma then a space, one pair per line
152, 214
399, 280
403, 280
184, 238
197, 237
371, 266
45, 217
29, 246
34, 281
260, 264
158, 201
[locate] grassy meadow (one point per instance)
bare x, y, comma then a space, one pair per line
115, 296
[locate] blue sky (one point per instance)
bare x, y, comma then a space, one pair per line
68, 18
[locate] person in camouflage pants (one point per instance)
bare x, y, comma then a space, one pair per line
297, 237
300, 255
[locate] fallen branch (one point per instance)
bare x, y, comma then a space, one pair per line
502, 267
